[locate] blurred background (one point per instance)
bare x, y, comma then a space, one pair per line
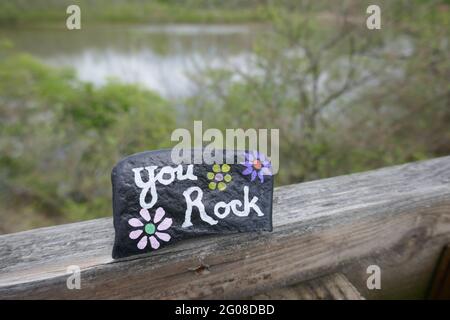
345, 98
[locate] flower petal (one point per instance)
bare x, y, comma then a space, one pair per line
134, 222
266, 171
165, 224
227, 178
142, 243
248, 164
262, 157
135, 234
261, 176
221, 186
247, 171
145, 214
212, 185
153, 242
163, 236
250, 157
158, 215
266, 163
253, 175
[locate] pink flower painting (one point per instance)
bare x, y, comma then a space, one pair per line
148, 230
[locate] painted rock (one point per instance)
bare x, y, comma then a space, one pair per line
157, 202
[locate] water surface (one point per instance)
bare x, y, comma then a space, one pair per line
159, 57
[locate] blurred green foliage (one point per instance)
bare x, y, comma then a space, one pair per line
345, 98
155, 11
60, 138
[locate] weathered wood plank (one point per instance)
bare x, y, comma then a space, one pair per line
440, 286
397, 218
330, 287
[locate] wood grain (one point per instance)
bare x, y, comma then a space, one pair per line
330, 287
396, 217
440, 286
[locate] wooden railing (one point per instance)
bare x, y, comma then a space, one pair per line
397, 218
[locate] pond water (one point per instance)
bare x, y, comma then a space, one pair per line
158, 57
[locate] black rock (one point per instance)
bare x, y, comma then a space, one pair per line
152, 213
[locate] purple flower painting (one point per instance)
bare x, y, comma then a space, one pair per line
257, 165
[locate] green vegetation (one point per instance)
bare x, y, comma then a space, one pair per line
133, 11
60, 138
182, 11
345, 99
